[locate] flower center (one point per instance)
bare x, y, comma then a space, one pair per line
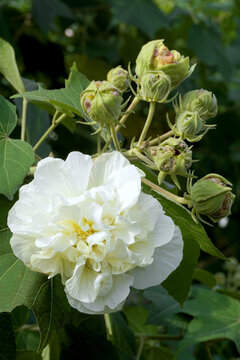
82, 234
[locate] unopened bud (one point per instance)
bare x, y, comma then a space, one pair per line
101, 101
154, 86
119, 77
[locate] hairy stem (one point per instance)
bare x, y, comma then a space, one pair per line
108, 325
161, 138
24, 118
114, 137
50, 129
179, 199
139, 353
130, 108
147, 123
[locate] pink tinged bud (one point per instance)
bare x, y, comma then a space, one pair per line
115, 93
87, 105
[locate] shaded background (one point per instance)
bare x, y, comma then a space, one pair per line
49, 35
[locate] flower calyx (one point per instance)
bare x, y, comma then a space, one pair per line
173, 157
155, 56
211, 196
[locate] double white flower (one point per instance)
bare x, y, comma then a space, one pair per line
89, 221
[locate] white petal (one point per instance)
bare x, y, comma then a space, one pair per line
77, 168
111, 302
163, 230
166, 260
105, 166
23, 247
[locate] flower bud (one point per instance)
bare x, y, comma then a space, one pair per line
119, 77
211, 196
189, 125
202, 101
173, 158
101, 101
155, 56
154, 86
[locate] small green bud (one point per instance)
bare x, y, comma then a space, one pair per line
119, 77
220, 278
189, 125
173, 157
231, 265
101, 101
211, 196
202, 101
154, 86
155, 56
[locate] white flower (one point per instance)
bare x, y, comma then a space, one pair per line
89, 221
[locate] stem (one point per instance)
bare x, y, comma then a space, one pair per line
147, 123
208, 351
161, 138
130, 108
108, 325
114, 137
99, 143
24, 115
50, 129
139, 353
179, 199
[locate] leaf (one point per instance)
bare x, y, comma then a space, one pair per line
148, 18
28, 355
231, 293
137, 318
7, 338
205, 277
122, 336
8, 66
164, 305
66, 100
216, 316
19, 316
45, 11
158, 353
51, 310
16, 156
18, 283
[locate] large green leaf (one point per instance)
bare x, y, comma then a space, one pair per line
51, 309
137, 318
216, 316
7, 338
18, 283
8, 66
66, 100
158, 353
164, 306
16, 156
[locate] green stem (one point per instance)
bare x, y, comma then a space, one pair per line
179, 199
50, 129
108, 325
114, 137
208, 351
24, 117
161, 138
147, 123
139, 353
99, 143
130, 108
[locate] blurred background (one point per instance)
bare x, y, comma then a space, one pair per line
49, 35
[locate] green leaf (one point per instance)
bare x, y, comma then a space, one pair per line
27, 339
8, 66
122, 336
16, 156
144, 14
158, 353
164, 305
216, 316
28, 355
51, 310
5, 206
137, 318
18, 283
205, 277
66, 100
231, 293
7, 338
19, 316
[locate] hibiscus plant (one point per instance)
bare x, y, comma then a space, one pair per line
111, 239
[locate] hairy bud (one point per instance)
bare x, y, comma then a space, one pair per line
154, 86
119, 77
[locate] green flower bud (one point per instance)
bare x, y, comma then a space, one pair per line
211, 196
155, 56
101, 101
202, 101
220, 278
154, 86
189, 125
173, 157
119, 77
